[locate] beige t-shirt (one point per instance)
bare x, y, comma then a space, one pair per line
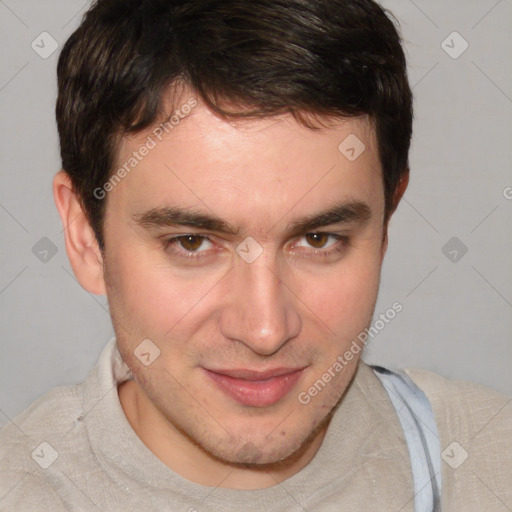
74, 450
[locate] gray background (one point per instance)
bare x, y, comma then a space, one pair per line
457, 316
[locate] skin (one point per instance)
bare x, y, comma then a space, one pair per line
288, 308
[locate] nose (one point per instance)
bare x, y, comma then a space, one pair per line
260, 310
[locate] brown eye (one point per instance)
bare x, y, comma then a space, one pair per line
317, 240
188, 246
191, 242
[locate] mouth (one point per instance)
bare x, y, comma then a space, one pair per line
256, 389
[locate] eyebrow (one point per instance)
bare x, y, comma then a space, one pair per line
170, 216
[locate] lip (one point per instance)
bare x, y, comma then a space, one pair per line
253, 388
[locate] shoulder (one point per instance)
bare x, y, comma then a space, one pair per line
462, 405
53, 413
475, 430
26, 449
27, 492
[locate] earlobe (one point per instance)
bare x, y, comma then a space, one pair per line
400, 190
384, 247
397, 196
81, 245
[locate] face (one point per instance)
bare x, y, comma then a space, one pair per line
241, 322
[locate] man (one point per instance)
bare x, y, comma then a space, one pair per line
229, 172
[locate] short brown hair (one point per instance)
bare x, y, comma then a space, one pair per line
325, 57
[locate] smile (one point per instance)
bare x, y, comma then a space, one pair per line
256, 389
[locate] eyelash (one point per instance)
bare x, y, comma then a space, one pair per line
344, 242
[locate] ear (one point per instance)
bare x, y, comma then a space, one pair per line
397, 196
400, 189
82, 247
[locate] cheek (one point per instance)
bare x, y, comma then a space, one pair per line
346, 298
151, 296
137, 293
144, 293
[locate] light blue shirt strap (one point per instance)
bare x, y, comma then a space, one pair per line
420, 430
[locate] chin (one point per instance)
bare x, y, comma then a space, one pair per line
266, 451
250, 455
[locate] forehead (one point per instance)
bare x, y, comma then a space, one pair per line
264, 166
